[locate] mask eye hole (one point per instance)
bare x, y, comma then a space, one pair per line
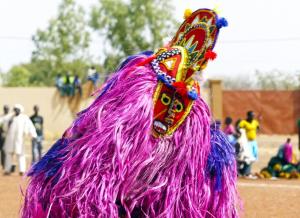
179, 107
166, 100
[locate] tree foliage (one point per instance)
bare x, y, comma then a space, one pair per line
272, 80
17, 76
131, 26
62, 46
66, 38
278, 80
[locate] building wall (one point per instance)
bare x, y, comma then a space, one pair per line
58, 112
278, 110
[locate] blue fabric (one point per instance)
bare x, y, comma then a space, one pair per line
246, 169
37, 149
254, 148
231, 139
51, 161
221, 155
94, 78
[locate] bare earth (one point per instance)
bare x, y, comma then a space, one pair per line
261, 198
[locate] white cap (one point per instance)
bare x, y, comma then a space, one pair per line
20, 107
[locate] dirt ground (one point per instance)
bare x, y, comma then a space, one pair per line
261, 198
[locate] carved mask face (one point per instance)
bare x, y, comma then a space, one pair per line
170, 110
175, 67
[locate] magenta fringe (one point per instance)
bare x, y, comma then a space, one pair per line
111, 166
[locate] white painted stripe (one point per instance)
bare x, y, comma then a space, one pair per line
267, 185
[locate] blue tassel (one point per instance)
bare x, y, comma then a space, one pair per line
221, 155
193, 95
222, 22
163, 79
50, 162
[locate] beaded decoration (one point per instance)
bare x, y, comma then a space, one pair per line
175, 65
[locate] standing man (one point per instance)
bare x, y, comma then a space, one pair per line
17, 127
3, 119
251, 126
38, 122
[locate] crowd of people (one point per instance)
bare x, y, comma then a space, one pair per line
243, 136
14, 127
69, 85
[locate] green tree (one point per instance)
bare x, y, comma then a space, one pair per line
17, 76
63, 45
131, 26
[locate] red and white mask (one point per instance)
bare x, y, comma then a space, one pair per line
175, 66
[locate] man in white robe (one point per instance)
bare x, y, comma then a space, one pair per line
17, 127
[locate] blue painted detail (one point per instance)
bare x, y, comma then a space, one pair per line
192, 48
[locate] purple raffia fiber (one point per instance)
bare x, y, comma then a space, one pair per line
221, 167
112, 157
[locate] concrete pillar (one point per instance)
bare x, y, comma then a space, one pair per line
216, 100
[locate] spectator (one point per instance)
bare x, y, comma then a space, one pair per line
3, 119
283, 164
288, 151
229, 130
68, 85
77, 85
59, 83
93, 76
251, 126
37, 145
243, 151
91, 72
18, 125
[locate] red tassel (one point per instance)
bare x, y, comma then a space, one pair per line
180, 88
210, 55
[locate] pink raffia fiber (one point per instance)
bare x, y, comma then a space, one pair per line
113, 157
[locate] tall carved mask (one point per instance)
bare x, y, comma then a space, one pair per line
175, 65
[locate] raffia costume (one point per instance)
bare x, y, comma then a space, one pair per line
145, 147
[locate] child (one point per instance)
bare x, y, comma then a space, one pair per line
229, 130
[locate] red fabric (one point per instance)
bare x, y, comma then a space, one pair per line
180, 88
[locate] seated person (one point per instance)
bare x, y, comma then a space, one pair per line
93, 75
282, 165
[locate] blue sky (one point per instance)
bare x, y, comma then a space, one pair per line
262, 34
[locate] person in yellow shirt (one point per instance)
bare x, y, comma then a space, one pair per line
251, 127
